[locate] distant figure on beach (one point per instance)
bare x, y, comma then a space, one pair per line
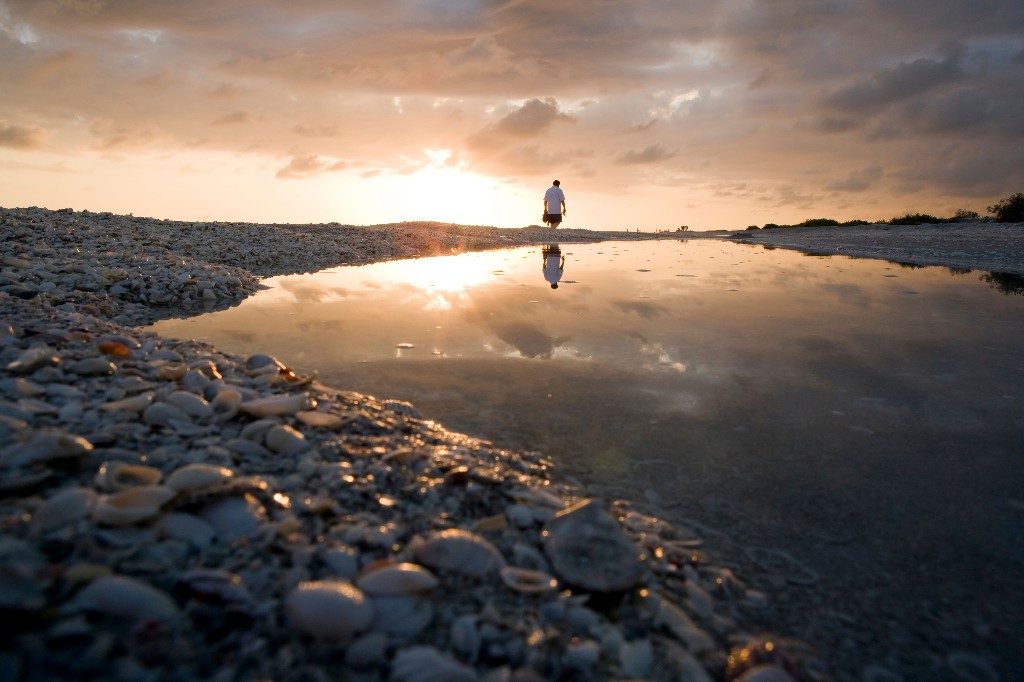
554, 204
554, 264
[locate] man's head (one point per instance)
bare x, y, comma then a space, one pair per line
556, 183
554, 285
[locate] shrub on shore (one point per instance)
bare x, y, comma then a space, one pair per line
1010, 209
917, 219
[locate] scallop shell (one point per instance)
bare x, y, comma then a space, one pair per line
198, 476
117, 476
126, 598
459, 551
276, 406
131, 506
226, 403
396, 579
234, 517
334, 610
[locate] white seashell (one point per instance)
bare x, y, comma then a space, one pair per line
121, 475
32, 359
131, 506
225, 404
588, 549
235, 517
427, 664
45, 446
93, 367
136, 403
323, 420
189, 403
277, 406
403, 616
285, 440
334, 610
396, 579
164, 414
459, 551
527, 580
187, 528
67, 506
197, 476
217, 584
675, 620
126, 598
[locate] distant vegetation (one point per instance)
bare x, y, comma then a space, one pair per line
1008, 210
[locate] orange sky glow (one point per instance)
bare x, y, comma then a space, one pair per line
652, 113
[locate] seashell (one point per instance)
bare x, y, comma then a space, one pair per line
278, 405
190, 403
67, 506
118, 346
536, 496
427, 664
32, 359
126, 598
28, 388
402, 407
120, 475
395, 579
404, 616
674, 619
163, 414
131, 506
234, 517
198, 476
214, 584
136, 403
699, 600
257, 430
587, 549
334, 610
93, 367
459, 551
323, 420
45, 446
225, 404
527, 580
187, 528
285, 440
261, 361
171, 372
343, 561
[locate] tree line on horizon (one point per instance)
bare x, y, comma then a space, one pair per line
1008, 210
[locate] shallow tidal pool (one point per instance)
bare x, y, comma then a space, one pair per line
847, 434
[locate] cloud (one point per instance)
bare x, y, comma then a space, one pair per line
21, 137
309, 165
654, 153
232, 118
533, 118
857, 180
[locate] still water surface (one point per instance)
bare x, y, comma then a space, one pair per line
848, 434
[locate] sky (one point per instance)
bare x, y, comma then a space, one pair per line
653, 114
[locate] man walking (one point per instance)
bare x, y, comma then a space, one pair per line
554, 204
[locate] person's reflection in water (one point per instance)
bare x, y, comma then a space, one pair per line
554, 264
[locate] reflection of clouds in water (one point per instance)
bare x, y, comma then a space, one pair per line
665, 360
305, 292
530, 340
850, 294
647, 311
242, 335
306, 326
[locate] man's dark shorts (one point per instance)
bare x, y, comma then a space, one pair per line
553, 219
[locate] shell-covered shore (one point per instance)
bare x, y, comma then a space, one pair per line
173, 512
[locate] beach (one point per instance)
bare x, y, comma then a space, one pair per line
176, 512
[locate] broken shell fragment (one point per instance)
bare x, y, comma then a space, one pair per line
459, 551
126, 598
396, 579
117, 476
131, 506
276, 406
588, 549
